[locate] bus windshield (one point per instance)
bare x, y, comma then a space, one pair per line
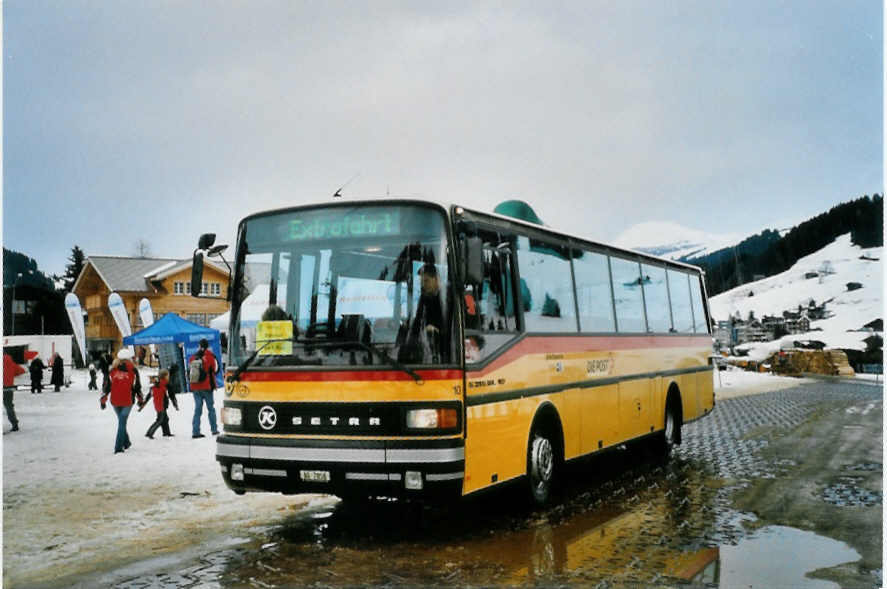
365, 285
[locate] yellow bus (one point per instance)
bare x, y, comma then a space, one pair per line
409, 348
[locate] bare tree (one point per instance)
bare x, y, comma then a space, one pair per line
142, 249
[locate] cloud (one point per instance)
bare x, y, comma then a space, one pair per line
164, 120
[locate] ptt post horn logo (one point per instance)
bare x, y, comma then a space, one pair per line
236, 388
267, 417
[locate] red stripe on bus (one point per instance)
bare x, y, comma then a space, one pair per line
567, 345
348, 375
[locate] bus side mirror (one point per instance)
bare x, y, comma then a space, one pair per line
474, 260
197, 272
206, 241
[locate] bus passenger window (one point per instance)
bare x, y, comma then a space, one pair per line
679, 289
627, 294
699, 322
545, 273
593, 291
656, 299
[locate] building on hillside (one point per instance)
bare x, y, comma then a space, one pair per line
166, 283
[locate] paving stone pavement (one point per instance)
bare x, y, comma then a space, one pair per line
721, 442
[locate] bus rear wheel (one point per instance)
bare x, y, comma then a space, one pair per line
540, 467
672, 434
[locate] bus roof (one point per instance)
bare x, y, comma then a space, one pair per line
598, 244
449, 207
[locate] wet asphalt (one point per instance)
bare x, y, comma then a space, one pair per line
619, 519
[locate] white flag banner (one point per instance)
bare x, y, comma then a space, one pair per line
147, 315
118, 312
75, 315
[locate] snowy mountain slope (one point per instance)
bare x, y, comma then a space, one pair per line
674, 241
843, 263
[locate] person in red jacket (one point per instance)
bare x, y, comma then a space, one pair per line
123, 387
10, 371
162, 396
203, 390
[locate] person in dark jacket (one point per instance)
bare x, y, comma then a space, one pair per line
36, 369
58, 372
92, 374
105, 367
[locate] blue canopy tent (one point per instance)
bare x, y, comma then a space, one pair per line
172, 330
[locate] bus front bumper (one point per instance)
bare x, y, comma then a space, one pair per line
400, 468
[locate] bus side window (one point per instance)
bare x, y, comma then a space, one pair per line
699, 321
546, 286
490, 318
594, 292
627, 295
494, 300
681, 309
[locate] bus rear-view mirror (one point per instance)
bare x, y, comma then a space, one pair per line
206, 241
474, 260
196, 273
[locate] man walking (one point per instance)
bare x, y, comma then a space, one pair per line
10, 371
203, 388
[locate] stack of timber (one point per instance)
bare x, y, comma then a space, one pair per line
798, 362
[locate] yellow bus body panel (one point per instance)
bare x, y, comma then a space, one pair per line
628, 403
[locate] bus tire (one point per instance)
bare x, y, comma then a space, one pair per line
541, 461
671, 434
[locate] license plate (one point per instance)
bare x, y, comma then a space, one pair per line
315, 476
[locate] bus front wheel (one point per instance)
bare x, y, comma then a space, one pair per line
540, 466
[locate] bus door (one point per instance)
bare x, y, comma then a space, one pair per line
491, 380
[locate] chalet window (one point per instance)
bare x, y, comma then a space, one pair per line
198, 318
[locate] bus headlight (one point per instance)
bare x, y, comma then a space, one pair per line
432, 419
232, 416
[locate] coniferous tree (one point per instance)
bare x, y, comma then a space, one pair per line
769, 253
77, 260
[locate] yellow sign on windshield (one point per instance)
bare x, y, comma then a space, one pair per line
269, 331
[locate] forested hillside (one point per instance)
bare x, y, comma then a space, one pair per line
768, 253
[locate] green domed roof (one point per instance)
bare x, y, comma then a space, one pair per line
518, 209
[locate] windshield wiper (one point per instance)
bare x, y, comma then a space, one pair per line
235, 376
371, 349
386, 358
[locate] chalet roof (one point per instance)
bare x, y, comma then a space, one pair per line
136, 274
128, 274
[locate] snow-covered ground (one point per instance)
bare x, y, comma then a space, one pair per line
735, 382
842, 262
71, 506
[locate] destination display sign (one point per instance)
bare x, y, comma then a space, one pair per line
337, 224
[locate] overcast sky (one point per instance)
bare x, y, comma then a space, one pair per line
162, 120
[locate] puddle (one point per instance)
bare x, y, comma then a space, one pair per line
779, 556
623, 523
